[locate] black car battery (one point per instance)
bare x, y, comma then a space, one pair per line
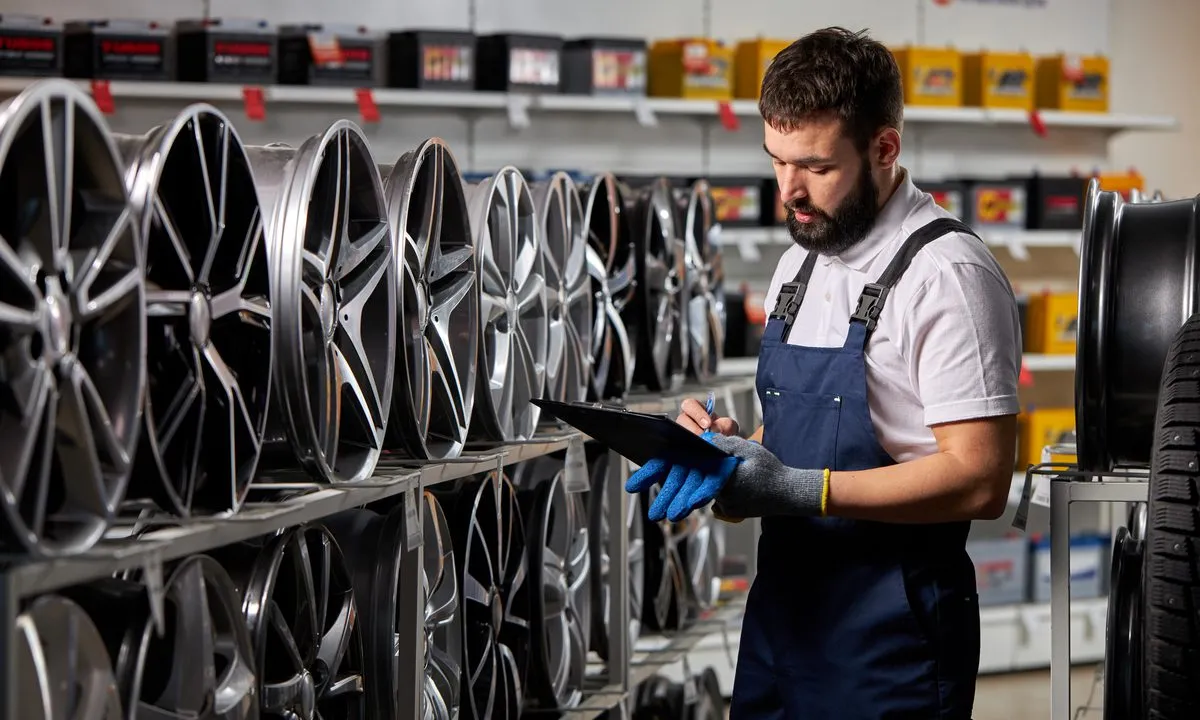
431, 60
337, 55
222, 50
604, 66
117, 50
774, 211
739, 201
30, 46
1056, 202
951, 196
520, 63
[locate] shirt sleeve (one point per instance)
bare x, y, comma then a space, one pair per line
962, 339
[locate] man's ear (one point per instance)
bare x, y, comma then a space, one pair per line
885, 148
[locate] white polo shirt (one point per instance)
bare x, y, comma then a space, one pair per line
948, 343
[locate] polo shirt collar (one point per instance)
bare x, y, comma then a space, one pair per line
892, 217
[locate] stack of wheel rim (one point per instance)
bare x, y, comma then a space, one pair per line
1138, 406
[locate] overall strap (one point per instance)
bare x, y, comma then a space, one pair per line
787, 303
873, 296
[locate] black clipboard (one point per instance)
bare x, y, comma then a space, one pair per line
636, 436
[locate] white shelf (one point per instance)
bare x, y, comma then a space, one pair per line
1035, 362
644, 110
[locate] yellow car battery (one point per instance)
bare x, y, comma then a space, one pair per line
1053, 322
692, 68
1043, 427
1073, 83
998, 80
751, 61
932, 76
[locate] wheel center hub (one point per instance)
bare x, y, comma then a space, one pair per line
307, 696
58, 321
510, 310
329, 306
497, 607
200, 318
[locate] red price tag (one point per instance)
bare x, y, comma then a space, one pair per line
729, 119
366, 105
102, 95
252, 99
1036, 122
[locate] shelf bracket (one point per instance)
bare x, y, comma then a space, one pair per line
644, 113
517, 107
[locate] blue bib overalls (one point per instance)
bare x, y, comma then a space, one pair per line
850, 620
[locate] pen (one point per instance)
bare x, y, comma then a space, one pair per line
711, 403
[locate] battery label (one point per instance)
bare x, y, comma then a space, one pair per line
618, 70
446, 63
353, 61
533, 66
235, 54
27, 53
123, 55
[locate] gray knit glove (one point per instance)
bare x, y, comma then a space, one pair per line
762, 485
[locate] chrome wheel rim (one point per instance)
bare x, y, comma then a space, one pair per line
661, 271
57, 648
208, 312
612, 268
513, 319
443, 620
602, 561
333, 281
439, 304
568, 291
72, 322
705, 279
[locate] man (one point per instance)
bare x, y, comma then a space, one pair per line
888, 380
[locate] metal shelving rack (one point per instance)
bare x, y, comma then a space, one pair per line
23, 579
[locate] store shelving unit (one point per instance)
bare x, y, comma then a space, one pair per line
22, 579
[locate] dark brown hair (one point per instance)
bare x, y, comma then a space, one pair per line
834, 72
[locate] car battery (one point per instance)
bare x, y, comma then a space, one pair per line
998, 204
1124, 183
738, 201
751, 60
1072, 83
951, 196
1042, 427
227, 50
604, 66
117, 50
998, 80
431, 60
1053, 322
1001, 570
519, 63
30, 46
342, 55
691, 68
776, 214
1089, 555
1056, 203
931, 76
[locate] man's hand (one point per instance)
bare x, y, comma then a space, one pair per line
695, 418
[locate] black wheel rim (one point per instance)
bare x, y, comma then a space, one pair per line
300, 607
439, 304
72, 322
612, 268
1139, 269
660, 272
58, 647
1123, 641
705, 301
443, 617
208, 313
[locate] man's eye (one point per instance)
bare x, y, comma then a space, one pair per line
818, 170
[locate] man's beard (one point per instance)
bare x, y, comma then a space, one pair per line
834, 234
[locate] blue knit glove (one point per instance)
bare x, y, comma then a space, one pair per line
684, 488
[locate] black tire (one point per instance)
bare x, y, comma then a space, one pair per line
1171, 576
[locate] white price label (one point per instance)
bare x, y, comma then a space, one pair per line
575, 472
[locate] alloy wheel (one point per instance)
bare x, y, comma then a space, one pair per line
441, 695
57, 647
658, 315
439, 304
513, 315
568, 288
705, 280
612, 269
208, 313
72, 322
333, 281
601, 561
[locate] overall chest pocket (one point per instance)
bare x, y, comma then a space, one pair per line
801, 428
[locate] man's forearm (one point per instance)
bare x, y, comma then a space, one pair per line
942, 487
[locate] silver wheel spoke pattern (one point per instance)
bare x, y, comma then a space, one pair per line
57, 649
301, 609
208, 316
489, 542
443, 618
705, 284
601, 563
333, 280
439, 304
657, 316
72, 322
612, 269
513, 324
568, 288
700, 549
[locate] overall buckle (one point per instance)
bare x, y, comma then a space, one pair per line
870, 305
786, 303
